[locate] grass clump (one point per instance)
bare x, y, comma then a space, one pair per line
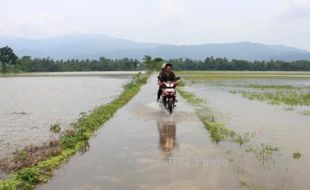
296, 155
305, 112
55, 128
217, 130
35, 167
263, 152
29, 176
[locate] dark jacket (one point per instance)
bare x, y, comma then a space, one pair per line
164, 77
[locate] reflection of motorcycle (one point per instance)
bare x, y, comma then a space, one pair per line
168, 95
167, 135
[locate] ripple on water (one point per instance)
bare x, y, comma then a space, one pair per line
29, 105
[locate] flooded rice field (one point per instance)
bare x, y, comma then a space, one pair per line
143, 147
30, 103
277, 154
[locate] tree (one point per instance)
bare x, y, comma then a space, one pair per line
158, 63
147, 61
7, 57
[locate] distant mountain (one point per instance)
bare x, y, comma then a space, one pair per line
95, 46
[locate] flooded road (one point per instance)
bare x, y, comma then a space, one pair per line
30, 104
143, 147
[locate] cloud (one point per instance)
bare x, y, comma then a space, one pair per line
294, 9
166, 21
172, 8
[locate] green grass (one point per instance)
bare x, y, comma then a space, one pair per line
290, 98
72, 140
250, 185
273, 87
55, 128
217, 130
305, 112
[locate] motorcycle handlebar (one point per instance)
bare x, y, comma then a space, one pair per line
177, 78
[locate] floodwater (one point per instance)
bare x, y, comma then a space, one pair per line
30, 103
143, 147
289, 131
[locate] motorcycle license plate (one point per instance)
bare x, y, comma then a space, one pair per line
169, 90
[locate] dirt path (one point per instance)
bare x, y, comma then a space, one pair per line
142, 147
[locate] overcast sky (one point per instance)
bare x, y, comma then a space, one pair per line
284, 22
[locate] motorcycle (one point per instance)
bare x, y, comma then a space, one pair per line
168, 96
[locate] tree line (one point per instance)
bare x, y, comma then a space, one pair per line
27, 64
223, 64
11, 63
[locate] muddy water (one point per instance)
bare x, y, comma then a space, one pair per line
271, 124
29, 105
142, 147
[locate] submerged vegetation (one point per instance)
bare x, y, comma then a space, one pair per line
263, 152
287, 95
55, 128
290, 98
218, 131
275, 87
35, 165
297, 155
305, 112
278, 94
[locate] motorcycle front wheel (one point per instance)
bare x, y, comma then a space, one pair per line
170, 106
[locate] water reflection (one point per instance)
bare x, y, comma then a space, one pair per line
167, 137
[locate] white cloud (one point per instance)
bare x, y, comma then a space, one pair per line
294, 9
167, 21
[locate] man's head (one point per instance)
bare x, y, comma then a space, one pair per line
168, 67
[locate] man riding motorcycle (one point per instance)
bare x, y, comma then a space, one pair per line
165, 75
